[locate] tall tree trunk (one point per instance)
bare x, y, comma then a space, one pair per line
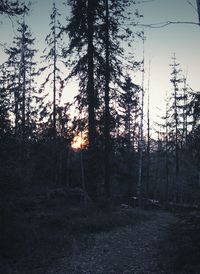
92, 180
130, 183
23, 71
54, 76
148, 140
166, 161
176, 143
82, 171
90, 84
107, 109
16, 98
140, 148
198, 9
176, 121
185, 115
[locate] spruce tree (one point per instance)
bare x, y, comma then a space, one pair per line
96, 56
5, 123
12, 7
128, 108
21, 73
175, 80
52, 55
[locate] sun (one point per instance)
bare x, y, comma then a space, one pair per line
79, 142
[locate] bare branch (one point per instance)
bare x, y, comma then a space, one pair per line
192, 5
2, 45
143, 1
167, 23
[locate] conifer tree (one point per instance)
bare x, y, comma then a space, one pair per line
95, 34
12, 7
5, 123
175, 125
53, 57
128, 107
129, 103
21, 73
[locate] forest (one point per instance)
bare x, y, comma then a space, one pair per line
82, 178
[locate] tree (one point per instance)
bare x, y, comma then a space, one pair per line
129, 104
21, 73
12, 7
148, 136
198, 9
52, 57
81, 33
95, 34
141, 137
185, 109
175, 80
106, 102
5, 123
165, 129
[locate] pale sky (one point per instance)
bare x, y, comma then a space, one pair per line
160, 43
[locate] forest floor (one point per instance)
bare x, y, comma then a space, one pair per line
129, 249
46, 235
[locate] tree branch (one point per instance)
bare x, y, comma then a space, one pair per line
167, 23
192, 5
2, 45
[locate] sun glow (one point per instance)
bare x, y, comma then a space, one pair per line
79, 141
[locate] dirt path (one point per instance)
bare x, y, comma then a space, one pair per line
131, 249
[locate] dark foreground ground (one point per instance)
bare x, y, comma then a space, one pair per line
45, 235
129, 249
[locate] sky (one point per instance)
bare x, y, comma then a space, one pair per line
160, 43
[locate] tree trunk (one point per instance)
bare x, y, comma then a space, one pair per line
107, 109
90, 84
54, 77
198, 9
166, 162
139, 186
148, 142
23, 71
91, 101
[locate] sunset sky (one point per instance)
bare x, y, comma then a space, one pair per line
161, 43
